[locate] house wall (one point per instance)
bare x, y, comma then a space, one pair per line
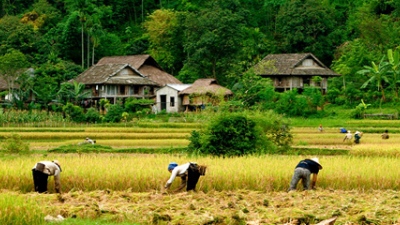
123, 91
289, 83
170, 107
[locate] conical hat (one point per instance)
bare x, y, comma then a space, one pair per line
317, 161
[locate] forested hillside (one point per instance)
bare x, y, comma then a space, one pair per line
204, 38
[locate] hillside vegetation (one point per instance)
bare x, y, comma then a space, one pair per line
205, 39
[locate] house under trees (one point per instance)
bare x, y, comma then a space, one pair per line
299, 70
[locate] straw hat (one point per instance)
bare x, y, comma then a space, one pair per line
317, 161
56, 162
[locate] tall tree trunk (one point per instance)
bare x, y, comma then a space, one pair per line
83, 47
93, 54
88, 50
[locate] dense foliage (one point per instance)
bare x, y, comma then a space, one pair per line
197, 39
239, 134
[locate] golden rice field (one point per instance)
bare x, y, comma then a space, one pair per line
359, 188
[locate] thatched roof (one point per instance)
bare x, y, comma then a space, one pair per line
291, 65
144, 64
204, 86
106, 74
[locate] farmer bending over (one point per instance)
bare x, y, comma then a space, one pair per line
189, 174
303, 172
385, 135
41, 172
90, 141
357, 137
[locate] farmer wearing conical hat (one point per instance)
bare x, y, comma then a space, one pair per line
303, 172
385, 135
41, 172
189, 173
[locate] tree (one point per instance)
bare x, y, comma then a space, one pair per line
89, 16
314, 98
78, 8
46, 92
165, 35
12, 65
305, 26
17, 36
25, 83
212, 41
254, 90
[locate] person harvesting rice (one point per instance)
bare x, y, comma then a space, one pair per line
303, 172
189, 173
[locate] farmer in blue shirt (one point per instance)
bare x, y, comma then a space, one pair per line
303, 172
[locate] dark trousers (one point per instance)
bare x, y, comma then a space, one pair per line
40, 181
193, 177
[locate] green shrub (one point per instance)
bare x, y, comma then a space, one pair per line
114, 113
75, 113
92, 115
238, 134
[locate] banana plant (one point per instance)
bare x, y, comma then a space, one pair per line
394, 63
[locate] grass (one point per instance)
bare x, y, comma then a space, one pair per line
16, 209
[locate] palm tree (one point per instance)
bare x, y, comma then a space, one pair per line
79, 93
74, 92
95, 31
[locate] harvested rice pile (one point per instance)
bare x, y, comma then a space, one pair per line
238, 207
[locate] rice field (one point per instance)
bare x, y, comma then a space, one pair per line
362, 187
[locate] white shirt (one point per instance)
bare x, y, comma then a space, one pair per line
52, 169
178, 171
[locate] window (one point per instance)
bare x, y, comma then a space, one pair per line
130, 90
122, 90
172, 101
133, 90
111, 90
308, 62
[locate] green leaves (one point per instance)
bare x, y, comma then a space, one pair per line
385, 75
212, 42
239, 134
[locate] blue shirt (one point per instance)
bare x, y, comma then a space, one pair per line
312, 166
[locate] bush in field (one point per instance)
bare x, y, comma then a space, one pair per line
75, 113
14, 144
92, 115
114, 113
239, 134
